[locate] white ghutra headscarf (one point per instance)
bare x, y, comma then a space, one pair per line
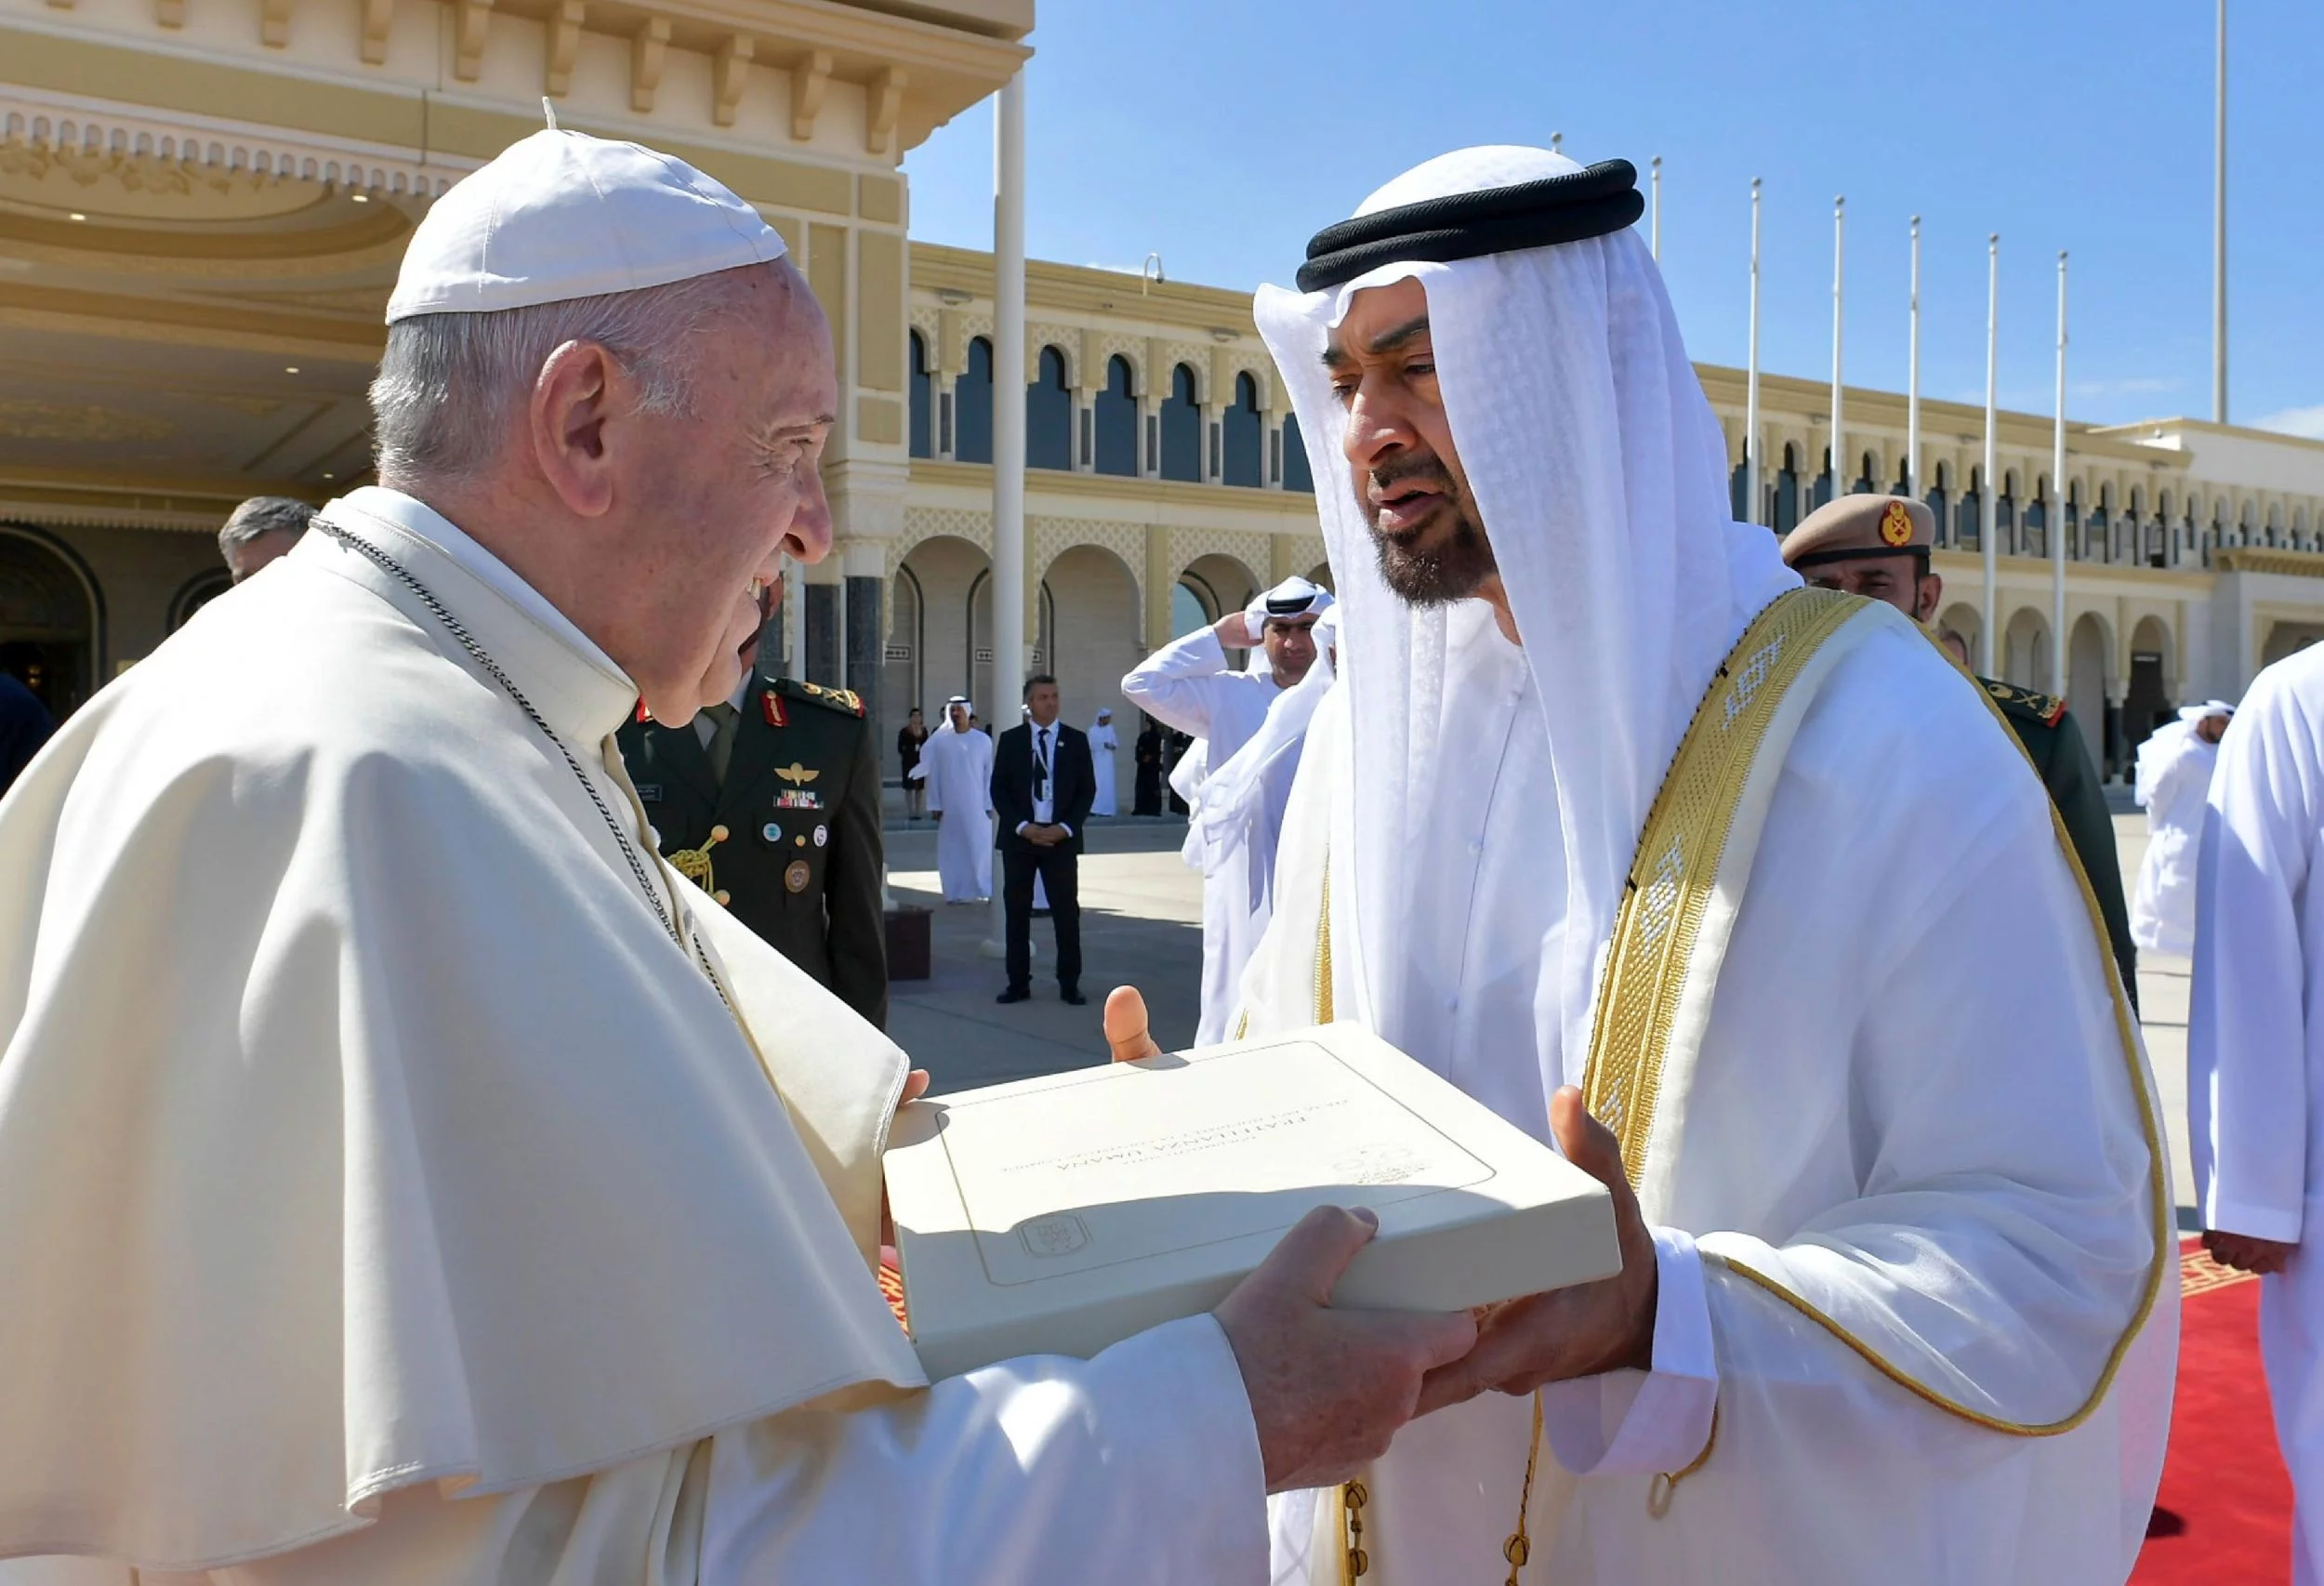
2162, 746
1600, 475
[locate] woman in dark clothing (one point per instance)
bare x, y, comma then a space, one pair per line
910, 737
1146, 797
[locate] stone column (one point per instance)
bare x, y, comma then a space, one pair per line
952, 362
861, 567
1160, 580
822, 633
1089, 372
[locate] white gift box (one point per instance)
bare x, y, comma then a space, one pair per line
1059, 1215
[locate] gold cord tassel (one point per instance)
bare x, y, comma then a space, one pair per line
694, 864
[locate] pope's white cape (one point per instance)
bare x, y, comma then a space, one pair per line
377, 1147
352, 1007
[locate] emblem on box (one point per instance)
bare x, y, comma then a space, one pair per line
1060, 1233
1378, 1164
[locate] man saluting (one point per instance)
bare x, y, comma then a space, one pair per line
1880, 1137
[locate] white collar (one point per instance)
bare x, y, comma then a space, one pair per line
416, 517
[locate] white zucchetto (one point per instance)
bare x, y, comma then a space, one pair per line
561, 215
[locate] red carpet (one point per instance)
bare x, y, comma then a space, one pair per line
2226, 1510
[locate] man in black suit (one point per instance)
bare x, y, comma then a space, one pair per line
1042, 787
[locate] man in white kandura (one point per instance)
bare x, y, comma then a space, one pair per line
2173, 785
1104, 743
1234, 823
424, 1184
957, 764
1188, 685
2255, 1051
1881, 1138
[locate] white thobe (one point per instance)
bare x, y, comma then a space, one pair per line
1186, 684
1104, 743
959, 770
2162, 907
534, 1276
1893, 1108
2255, 1044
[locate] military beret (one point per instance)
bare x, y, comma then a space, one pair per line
1855, 526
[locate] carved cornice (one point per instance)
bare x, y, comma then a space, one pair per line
916, 74
58, 126
2268, 558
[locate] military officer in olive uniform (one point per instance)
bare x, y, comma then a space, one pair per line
770, 801
1877, 546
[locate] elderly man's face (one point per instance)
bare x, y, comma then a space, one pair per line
2211, 729
1399, 447
727, 489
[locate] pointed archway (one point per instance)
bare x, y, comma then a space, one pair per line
52, 618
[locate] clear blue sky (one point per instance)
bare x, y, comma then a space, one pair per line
1221, 133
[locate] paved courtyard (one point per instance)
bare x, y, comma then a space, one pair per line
1141, 925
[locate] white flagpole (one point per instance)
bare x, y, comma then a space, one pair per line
2219, 232
1008, 612
1988, 514
1842, 473
1654, 230
1913, 382
1750, 382
2054, 515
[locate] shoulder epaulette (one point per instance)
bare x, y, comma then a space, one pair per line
845, 699
2046, 708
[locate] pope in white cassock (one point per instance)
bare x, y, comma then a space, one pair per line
2173, 785
404, 1177
956, 762
1187, 684
1882, 1137
2255, 1050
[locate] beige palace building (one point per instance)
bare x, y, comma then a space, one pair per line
203, 204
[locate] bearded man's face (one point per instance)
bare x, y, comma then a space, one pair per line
1425, 526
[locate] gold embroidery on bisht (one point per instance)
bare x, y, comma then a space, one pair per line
1652, 953
1678, 856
